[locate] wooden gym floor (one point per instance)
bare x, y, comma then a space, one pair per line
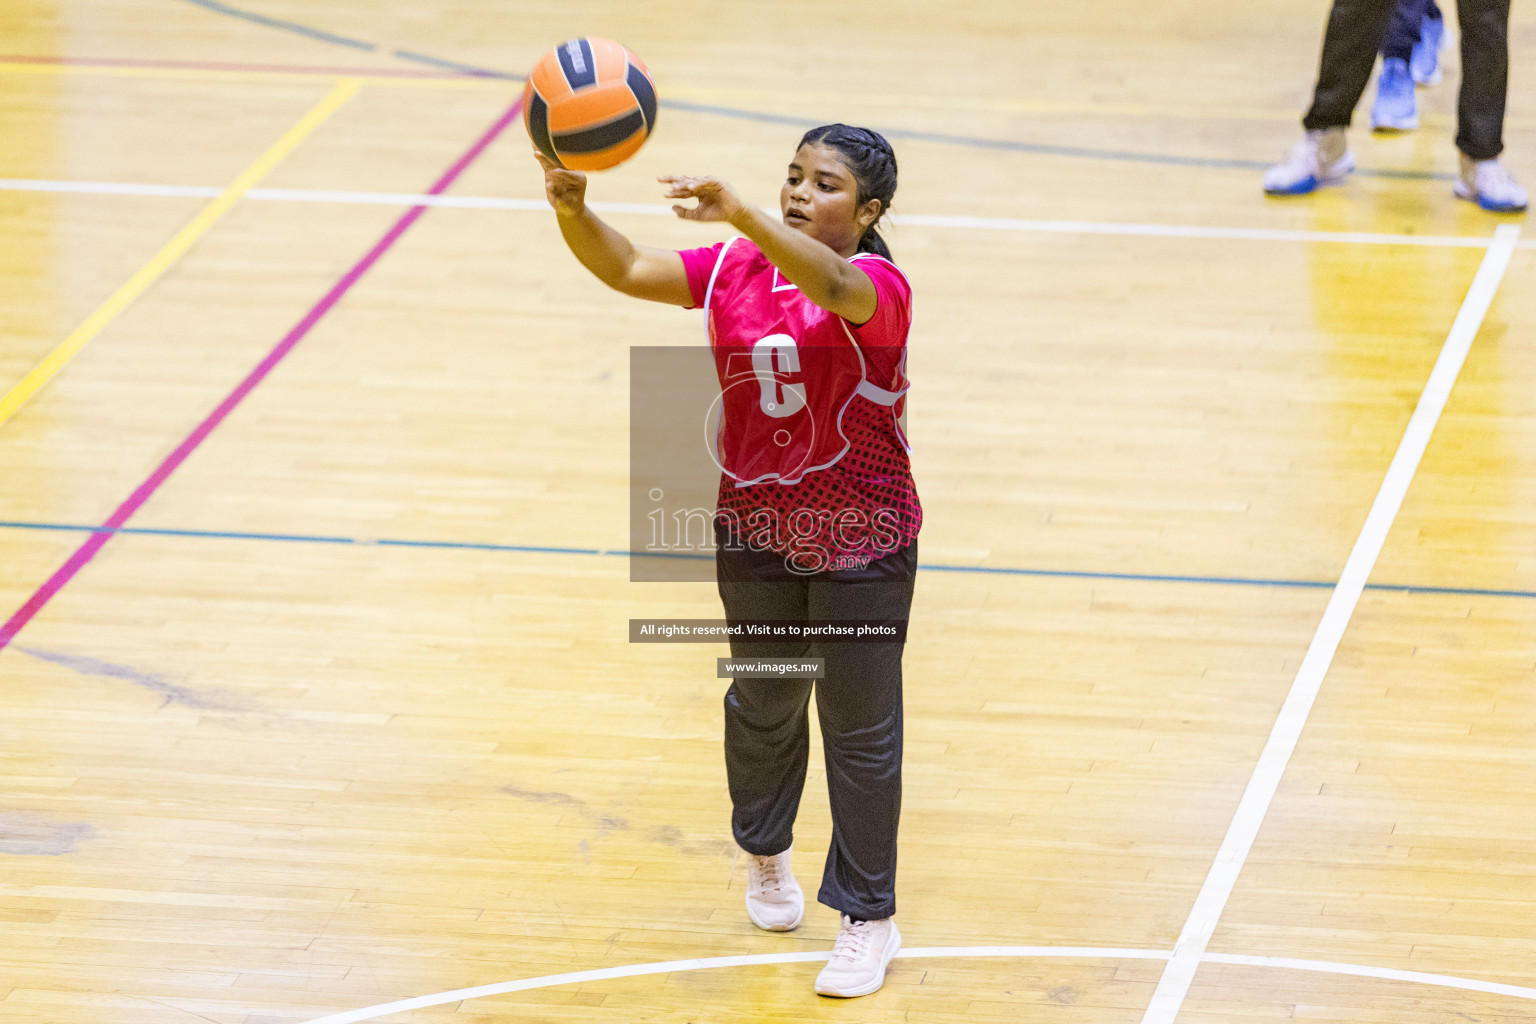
340, 712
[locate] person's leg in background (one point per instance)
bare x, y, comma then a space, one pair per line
1354, 33
1480, 107
1484, 77
1424, 60
1396, 107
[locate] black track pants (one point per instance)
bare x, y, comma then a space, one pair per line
767, 735
1356, 28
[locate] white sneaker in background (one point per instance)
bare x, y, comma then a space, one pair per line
1320, 158
1397, 107
864, 950
1424, 64
774, 900
1488, 184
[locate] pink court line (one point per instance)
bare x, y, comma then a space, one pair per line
173, 461
200, 65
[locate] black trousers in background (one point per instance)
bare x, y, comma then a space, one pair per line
1357, 28
767, 732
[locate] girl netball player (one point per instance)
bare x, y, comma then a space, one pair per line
818, 516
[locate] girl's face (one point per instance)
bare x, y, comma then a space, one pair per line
820, 197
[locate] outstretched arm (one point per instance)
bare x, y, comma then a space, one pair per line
821, 274
645, 273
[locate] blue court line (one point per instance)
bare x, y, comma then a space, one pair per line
541, 549
1237, 581
303, 538
286, 26
913, 135
453, 65
1036, 148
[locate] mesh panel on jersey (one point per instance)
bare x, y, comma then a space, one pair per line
875, 474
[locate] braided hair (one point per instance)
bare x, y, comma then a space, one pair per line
873, 164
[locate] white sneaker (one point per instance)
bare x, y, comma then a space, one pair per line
1321, 158
864, 949
774, 900
1397, 106
1488, 184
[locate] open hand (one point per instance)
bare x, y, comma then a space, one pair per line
717, 200
566, 190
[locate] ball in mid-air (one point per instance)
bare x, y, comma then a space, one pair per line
589, 104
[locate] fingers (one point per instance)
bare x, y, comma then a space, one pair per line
686, 187
714, 196
677, 188
561, 173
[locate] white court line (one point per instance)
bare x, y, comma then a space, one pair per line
1362, 971
638, 970
1212, 899
110, 188
1082, 227
949, 952
300, 195
1053, 227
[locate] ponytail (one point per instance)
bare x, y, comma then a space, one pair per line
873, 241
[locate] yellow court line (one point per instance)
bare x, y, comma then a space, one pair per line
174, 249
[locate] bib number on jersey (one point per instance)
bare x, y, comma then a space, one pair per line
772, 356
